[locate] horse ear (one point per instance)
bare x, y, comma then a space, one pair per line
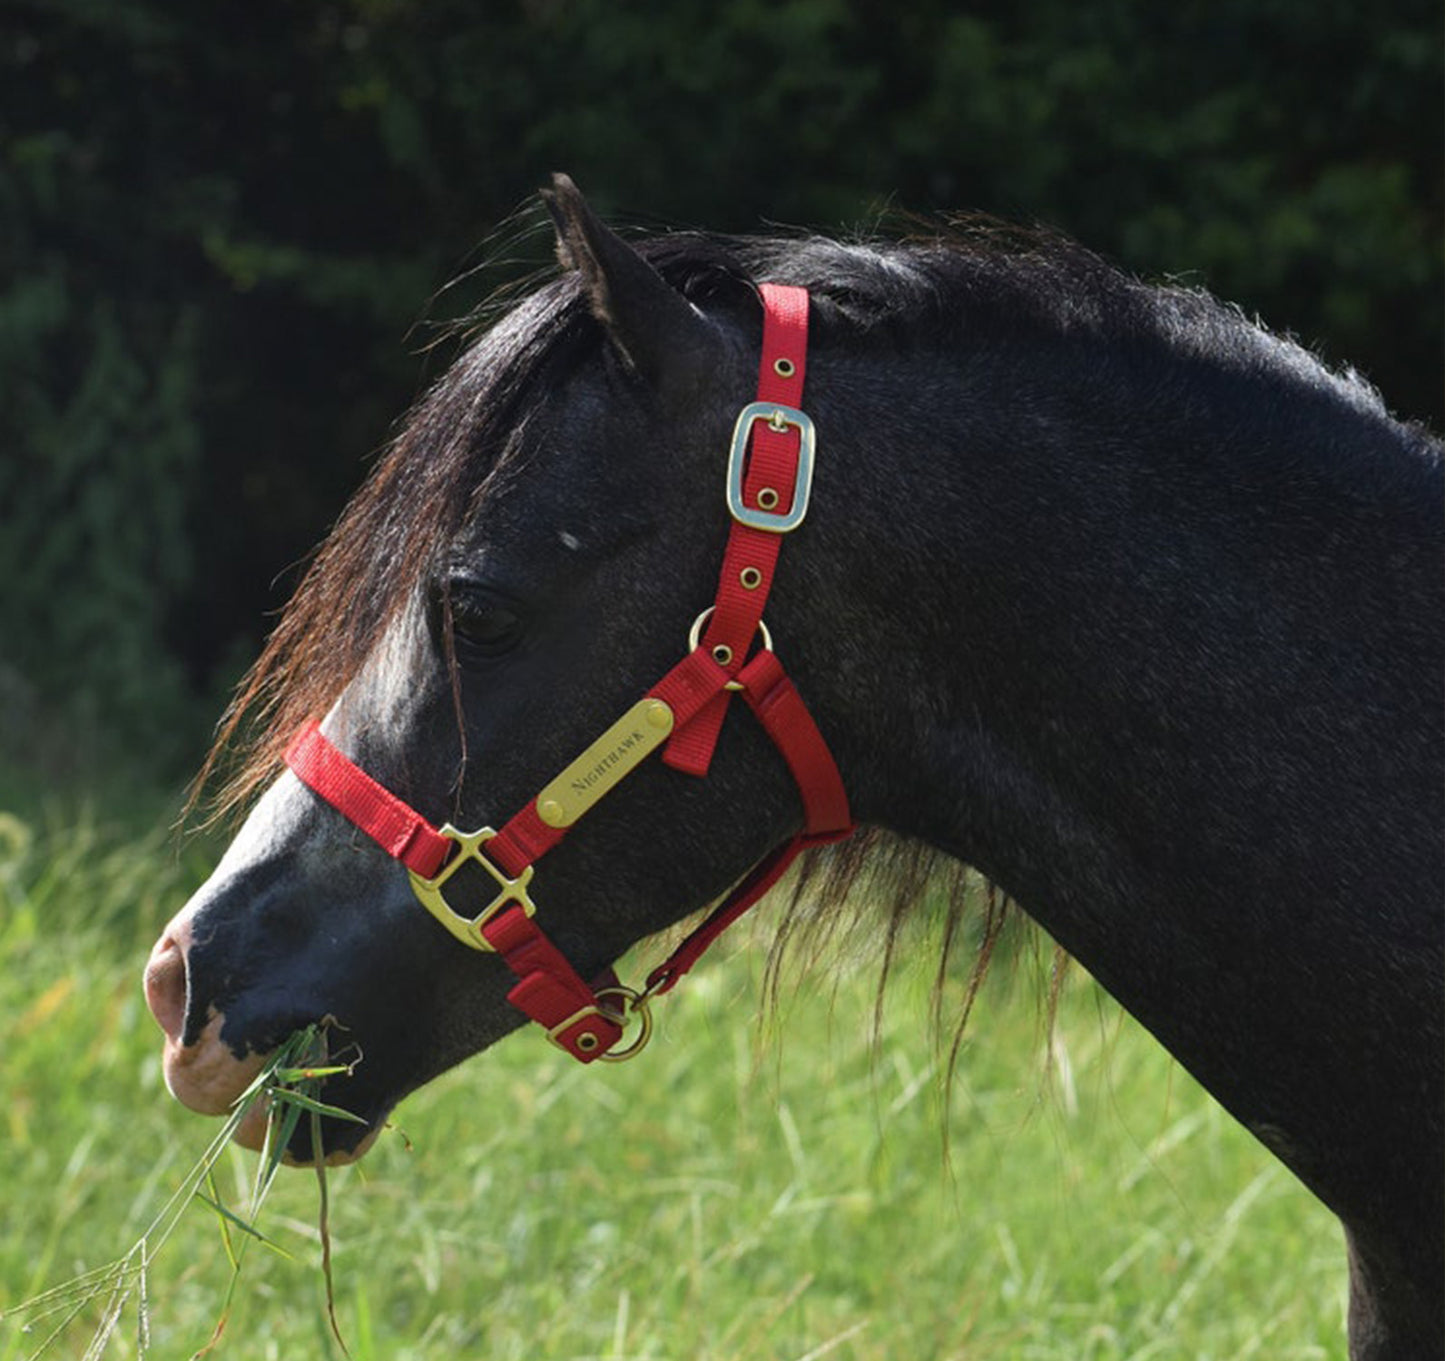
653, 327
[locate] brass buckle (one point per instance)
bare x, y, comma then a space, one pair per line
468, 930
633, 1004
779, 418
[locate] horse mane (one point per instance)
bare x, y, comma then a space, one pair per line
416, 497
932, 280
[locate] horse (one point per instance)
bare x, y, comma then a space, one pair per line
1093, 585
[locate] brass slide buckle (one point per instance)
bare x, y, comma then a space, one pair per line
468, 930
633, 1003
779, 418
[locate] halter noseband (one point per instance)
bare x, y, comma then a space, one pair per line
770, 471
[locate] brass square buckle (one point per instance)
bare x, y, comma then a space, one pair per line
630, 1004
779, 418
468, 930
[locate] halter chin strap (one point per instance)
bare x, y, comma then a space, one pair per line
770, 470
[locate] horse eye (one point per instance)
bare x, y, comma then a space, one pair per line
485, 627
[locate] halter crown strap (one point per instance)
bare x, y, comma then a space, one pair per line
769, 489
769, 478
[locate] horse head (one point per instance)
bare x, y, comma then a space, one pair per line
530, 556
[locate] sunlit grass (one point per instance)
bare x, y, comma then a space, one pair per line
741, 1191
286, 1087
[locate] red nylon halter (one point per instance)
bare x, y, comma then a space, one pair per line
770, 473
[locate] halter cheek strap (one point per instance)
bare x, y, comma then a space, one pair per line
770, 469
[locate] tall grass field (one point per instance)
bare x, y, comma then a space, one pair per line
759, 1184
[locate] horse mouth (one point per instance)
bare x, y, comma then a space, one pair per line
251, 1134
202, 1073
206, 1076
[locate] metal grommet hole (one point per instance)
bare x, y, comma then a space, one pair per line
587, 1042
722, 654
694, 634
767, 498
784, 368
750, 578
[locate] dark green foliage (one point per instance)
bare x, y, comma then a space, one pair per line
220, 225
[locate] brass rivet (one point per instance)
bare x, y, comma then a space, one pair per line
784, 368
551, 812
659, 715
587, 1042
767, 498
751, 578
722, 654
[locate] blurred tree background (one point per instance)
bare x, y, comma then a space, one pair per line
225, 229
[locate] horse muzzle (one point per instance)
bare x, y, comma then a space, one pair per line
204, 1074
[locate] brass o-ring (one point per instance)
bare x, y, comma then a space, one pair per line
750, 578
633, 1004
767, 498
694, 634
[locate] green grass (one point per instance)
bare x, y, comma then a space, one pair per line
744, 1190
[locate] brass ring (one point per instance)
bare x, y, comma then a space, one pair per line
694, 634
634, 1004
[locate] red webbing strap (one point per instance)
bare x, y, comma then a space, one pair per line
401, 831
774, 698
549, 990
772, 463
762, 877
523, 839
686, 689
690, 686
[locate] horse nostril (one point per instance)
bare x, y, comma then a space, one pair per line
165, 985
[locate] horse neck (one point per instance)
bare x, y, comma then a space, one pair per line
1132, 618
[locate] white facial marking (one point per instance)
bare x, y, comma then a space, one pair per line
569, 541
275, 824
288, 819
383, 696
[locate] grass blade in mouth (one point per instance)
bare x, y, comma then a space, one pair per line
288, 1084
323, 1225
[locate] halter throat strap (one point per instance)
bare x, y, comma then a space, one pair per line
769, 480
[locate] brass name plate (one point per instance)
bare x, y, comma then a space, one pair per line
641, 730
